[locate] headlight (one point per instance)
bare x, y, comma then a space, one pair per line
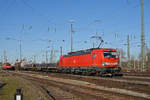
105, 63
116, 63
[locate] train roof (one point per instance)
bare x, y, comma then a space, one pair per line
87, 51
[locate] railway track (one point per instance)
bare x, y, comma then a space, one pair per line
97, 86
130, 83
140, 74
77, 94
47, 92
133, 80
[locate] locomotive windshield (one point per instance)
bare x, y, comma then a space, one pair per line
110, 54
7, 64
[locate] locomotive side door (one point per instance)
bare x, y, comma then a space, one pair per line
94, 58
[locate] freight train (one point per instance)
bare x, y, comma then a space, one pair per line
97, 61
93, 61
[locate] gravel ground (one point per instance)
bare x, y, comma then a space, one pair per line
85, 88
107, 82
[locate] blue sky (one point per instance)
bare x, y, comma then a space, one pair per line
111, 19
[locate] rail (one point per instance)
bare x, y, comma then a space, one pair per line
48, 93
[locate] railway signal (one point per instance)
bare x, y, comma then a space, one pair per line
18, 95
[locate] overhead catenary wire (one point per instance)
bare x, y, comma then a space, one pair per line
7, 8
36, 11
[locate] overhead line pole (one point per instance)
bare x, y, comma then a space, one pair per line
61, 50
93, 44
142, 38
46, 56
71, 39
71, 33
51, 56
20, 55
2, 59
128, 50
34, 58
4, 54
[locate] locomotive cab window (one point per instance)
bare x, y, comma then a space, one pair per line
7, 64
110, 54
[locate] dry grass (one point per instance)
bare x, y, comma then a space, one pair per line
12, 83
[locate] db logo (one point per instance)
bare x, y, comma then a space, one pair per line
74, 61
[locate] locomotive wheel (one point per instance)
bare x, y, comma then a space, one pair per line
83, 73
97, 73
88, 73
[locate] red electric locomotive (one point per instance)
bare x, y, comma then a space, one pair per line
96, 61
8, 66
